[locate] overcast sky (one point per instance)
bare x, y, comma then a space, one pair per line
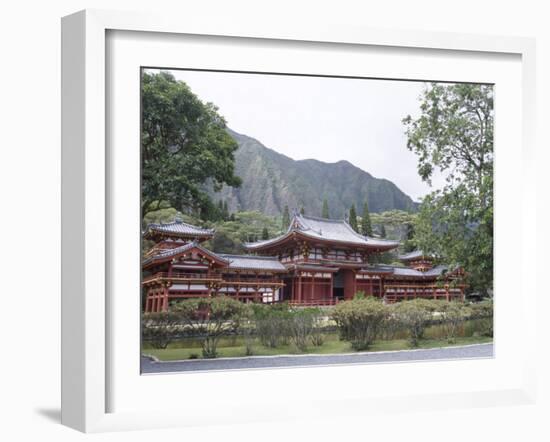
329, 119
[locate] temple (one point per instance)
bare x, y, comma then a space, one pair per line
315, 262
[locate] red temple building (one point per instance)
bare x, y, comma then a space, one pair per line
315, 262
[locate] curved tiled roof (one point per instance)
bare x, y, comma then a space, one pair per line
415, 254
326, 230
168, 253
248, 262
180, 229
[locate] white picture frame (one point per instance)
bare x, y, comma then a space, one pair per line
87, 356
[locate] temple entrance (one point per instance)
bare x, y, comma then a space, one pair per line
343, 284
338, 285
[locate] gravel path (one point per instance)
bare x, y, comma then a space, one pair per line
459, 352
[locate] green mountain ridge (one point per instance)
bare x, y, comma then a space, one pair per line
272, 180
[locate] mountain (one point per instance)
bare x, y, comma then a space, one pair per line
272, 180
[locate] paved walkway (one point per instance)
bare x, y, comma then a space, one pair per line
459, 352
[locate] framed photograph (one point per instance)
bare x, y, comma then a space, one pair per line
248, 213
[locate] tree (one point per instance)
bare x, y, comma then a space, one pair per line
325, 213
410, 243
454, 134
211, 318
382, 231
302, 211
184, 145
265, 233
225, 211
353, 218
366, 225
286, 218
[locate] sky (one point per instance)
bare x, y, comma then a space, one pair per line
328, 119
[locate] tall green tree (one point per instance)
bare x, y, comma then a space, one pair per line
410, 243
184, 145
325, 213
302, 211
353, 218
265, 233
366, 224
382, 231
454, 134
286, 218
225, 211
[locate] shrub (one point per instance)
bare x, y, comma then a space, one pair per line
359, 321
414, 315
160, 328
317, 336
211, 318
452, 314
248, 331
391, 324
272, 324
300, 325
483, 312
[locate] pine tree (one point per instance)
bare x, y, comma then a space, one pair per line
353, 218
225, 211
265, 233
325, 209
302, 211
382, 231
366, 226
286, 218
220, 209
410, 243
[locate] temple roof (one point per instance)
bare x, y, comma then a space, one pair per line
432, 273
415, 254
325, 230
165, 254
248, 262
406, 271
178, 228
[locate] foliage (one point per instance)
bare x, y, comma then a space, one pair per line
454, 134
265, 233
160, 328
211, 318
382, 231
484, 312
392, 324
230, 235
184, 145
325, 213
301, 323
414, 315
353, 218
452, 314
272, 324
366, 223
286, 218
410, 242
359, 321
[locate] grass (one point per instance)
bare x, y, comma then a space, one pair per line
332, 345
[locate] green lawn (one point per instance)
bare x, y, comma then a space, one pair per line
332, 345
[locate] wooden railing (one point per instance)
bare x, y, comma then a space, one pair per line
238, 280
314, 302
183, 277
224, 280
